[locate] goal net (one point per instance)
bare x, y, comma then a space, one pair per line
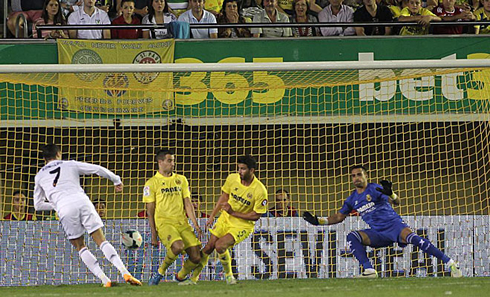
425, 129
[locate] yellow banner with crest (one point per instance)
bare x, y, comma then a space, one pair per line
116, 93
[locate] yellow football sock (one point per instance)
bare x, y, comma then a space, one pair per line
169, 259
225, 260
199, 267
187, 268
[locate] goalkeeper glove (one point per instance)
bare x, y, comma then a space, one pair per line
307, 216
386, 184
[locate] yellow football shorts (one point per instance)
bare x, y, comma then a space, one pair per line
170, 233
239, 233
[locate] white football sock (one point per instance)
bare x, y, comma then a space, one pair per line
93, 265
111, 255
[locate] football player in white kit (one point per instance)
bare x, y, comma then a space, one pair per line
57, 186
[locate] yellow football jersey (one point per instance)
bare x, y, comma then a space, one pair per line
415, 30
482, 16
168, 193
244, 199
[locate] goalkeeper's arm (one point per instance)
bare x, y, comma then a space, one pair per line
331, 220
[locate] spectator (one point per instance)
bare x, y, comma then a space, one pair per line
483, 14
126, 18
141, 7
415, 12
89, 15
447, 11
196, 200
230, 14
197, 14
101, 207
371, 12
282, 207
337, 12
32, 10
302, 14
19, 209
158, 14
270, 14
51, 15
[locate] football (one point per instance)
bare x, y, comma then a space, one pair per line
132, 239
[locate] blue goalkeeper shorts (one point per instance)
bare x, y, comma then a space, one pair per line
386, 237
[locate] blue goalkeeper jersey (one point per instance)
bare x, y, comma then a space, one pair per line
373, 206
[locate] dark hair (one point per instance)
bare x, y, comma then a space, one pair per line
134, 2
248, 160
100, 200
358, 167
196, 195
151, 10
162, 153
58, 17
18, 192
50, 151
283, 191
238, 3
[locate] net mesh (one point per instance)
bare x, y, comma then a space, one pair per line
424, 129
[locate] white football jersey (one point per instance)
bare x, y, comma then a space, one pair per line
58, 183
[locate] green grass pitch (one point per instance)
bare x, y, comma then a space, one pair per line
425, 287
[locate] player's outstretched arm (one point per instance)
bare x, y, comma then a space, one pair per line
387, 189
333, 219
87, 168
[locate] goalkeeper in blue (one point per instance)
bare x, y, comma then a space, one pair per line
374, 202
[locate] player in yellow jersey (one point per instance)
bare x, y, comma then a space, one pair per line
167, 199
242, 202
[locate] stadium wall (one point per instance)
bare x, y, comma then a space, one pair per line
279, 248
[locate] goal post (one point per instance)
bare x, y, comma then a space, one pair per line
423, 124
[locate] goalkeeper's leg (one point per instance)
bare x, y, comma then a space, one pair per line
426, 246
354, 243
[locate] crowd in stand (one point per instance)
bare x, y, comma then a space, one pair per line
106, 12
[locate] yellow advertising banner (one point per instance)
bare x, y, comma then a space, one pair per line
116, 93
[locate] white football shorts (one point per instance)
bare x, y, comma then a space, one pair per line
76, 219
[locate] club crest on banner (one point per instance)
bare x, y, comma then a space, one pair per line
146, 57
113, 84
